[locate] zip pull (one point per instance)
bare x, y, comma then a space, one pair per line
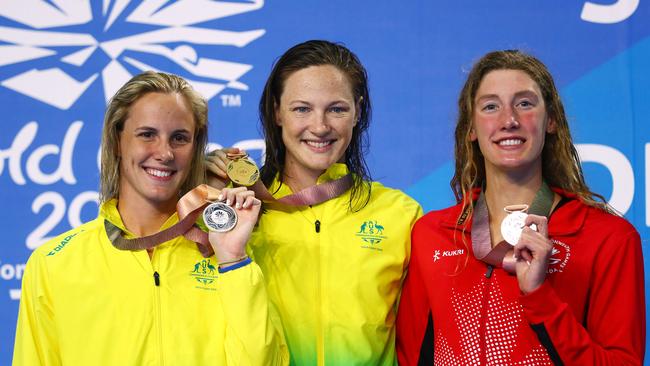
488, 273
317, 225
156, 278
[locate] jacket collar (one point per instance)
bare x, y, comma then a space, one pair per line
108, 211
335, 171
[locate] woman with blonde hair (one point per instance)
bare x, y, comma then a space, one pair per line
123, 289
529, 267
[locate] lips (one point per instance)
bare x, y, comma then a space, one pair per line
510, 141
319, 144
158, 173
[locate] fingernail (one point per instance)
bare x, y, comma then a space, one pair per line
228, 202
237, 205
220, 197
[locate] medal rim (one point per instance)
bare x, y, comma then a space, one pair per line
249, 179
223, 207
506, 227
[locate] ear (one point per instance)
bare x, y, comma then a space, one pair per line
276, 111
472, 134
357, 109
551, 127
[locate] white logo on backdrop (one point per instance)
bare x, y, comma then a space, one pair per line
172, 23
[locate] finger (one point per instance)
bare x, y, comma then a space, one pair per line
229, 194
540, 221
216, 169
240, 198
251, 201
231, 150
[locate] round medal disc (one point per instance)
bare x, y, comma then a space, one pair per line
243, 172
219, 217
512, 225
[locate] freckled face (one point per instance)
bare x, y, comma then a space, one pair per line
155, 148
510, 122
317, 113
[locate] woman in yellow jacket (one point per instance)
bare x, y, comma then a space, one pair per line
89, 300
334, 267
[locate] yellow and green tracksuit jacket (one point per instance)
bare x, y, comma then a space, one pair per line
84, 302
335, 275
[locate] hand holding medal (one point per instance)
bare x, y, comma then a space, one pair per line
230, 165
231, 227
532, 253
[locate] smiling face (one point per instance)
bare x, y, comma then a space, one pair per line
155, 149
317, 113
510, 122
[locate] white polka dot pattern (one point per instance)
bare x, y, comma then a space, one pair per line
502, 328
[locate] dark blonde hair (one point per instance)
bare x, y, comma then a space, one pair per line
117, 112
301, 56
560, 162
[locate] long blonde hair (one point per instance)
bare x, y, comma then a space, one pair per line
118, 111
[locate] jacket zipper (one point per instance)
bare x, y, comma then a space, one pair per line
487, 284
157, 316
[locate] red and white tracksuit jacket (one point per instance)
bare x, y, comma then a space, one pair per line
590, 310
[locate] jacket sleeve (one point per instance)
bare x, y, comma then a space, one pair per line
254, 333
36, 341
613, 331
413, 314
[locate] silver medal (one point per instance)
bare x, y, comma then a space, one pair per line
220, 217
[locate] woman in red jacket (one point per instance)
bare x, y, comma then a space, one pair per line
528, 268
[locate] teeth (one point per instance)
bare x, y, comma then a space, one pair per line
159, 173
318, 144
510, 142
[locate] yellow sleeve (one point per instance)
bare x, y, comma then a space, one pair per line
36, 341
254, 333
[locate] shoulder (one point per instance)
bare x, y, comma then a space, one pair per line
69, 239
449, 216
395, 198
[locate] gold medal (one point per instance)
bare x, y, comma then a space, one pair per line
243, 171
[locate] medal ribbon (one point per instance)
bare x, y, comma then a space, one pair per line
502, 254
309, 196
189, 207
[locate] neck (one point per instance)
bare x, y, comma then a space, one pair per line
299, 179
143, 218
503, 190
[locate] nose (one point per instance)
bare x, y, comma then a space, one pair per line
511, 121
320, 125
164, 153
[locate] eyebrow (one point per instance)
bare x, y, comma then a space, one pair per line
149, 128
519, 94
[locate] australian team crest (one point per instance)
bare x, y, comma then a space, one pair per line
204, 272
371, 232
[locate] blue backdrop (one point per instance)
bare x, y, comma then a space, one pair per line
61, 59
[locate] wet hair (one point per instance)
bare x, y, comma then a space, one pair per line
560, 162
301, 56
118, 111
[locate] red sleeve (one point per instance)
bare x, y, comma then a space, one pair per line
613, 332
413, 313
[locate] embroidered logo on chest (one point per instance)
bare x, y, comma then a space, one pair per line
440, 254
559, 257
371, 233
204, 273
